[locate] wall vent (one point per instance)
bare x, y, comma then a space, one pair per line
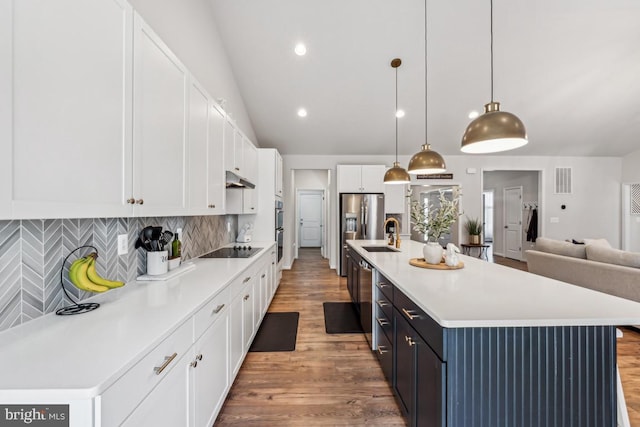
563, 181
635, 199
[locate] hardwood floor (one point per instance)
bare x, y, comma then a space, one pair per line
328, 380
334, 379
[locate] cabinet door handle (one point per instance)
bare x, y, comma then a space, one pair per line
246, 279
218, 308
199, 356
382, 285
411, 314
237, 169
263, 276
194, 364
168, 359
382, 349
131, 201
140, 202
409, 341
382, 322
212, 206
382, 303
273, 263
246, 297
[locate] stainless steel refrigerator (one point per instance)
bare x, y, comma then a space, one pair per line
361, 217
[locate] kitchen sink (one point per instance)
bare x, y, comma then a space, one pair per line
379, 249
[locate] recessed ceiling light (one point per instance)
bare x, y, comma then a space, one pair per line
302, 112
473, 114
400, 114
300, 49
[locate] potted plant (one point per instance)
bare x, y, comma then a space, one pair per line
434, 222
474, 229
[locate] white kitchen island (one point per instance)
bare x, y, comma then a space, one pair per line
488, 345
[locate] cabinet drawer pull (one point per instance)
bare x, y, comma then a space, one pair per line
218, 308
382, 285
382, 321
409, 341
382, 303
168, 359
273, 263
246, 297
237, 169
263, 276
246, 279
199, 357
212, 206
382, 349
411, 314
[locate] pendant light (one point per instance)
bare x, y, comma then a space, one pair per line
426, 161
396, 175
494, 130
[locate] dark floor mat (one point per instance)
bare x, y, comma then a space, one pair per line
278, 332
341, 318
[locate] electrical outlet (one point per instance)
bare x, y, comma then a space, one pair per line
123, 244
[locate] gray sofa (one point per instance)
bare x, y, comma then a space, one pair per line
594, 265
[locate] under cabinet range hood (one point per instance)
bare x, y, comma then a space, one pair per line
236, 181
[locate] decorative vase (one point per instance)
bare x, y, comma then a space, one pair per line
432, 252
474, 239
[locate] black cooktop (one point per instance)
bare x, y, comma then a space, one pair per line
234, 252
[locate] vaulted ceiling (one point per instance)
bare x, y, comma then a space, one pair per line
570, 69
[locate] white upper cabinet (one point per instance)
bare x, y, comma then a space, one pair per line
215, 162
279, 175
70, 76
361, 178
159, 127
206, 175
198, 139
232, 157
250, 156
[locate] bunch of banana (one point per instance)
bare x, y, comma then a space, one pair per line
82, 273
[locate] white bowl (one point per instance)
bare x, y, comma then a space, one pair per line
174, 263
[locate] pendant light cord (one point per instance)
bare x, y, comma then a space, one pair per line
491, 29
396, 114
426, 79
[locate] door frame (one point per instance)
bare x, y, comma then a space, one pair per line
323, 244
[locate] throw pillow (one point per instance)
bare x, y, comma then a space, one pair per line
600, 242
613, 256
558, 247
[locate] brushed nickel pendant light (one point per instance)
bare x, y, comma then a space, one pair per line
396, 174
426, 161
494, 130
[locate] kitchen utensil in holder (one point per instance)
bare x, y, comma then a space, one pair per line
77, 308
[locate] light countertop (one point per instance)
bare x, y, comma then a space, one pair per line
79, 356
484, 294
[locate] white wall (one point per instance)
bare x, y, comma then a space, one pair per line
593, 208
188, 28
631, 167
312, 179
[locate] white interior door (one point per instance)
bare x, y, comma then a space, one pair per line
513, 222
310, 216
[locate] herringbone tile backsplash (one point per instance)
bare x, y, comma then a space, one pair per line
32, 252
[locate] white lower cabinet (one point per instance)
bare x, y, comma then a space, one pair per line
210, 373
168, 404
249, 303
185, 379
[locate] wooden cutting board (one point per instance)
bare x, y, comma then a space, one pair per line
420, 262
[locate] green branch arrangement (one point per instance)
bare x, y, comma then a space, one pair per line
435, 222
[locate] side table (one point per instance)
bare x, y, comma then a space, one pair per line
482, 249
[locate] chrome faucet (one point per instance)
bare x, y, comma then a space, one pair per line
384, 226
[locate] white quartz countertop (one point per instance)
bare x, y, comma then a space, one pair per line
78, 356
483, 294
